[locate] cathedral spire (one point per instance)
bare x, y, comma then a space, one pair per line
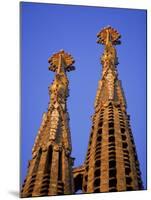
111, 162
49, 170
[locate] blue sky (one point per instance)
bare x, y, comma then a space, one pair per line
47, 28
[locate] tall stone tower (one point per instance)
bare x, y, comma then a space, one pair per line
50, 169
111, 162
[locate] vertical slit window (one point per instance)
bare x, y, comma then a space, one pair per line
49, 160
60, 166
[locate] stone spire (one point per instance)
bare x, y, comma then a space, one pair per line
109, 86
111, 162
50, 169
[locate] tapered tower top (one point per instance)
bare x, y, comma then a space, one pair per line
110, 88
108, 35
61, 61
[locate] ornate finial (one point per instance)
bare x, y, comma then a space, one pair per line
61, 61
108, 34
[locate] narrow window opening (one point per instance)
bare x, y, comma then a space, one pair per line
111, 125
97, 173
122, 130
112, 145
101, 119
126, 156
100, 124
99, 138
97, 182
111, 131
127, 171
98, 145
30, 191
49, 161
111, 139
87, 168
46, 181
124, 145
125, 151
111, 148
110, 113
123, 137
98, 151
122, 124
112, 163
33, 176
100, 131
112, 183
112, 157
126, 160
111, 154
112, 173
97, 163
127, 165
97, 156
32, 181
111, 120
121, 118
60, 166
